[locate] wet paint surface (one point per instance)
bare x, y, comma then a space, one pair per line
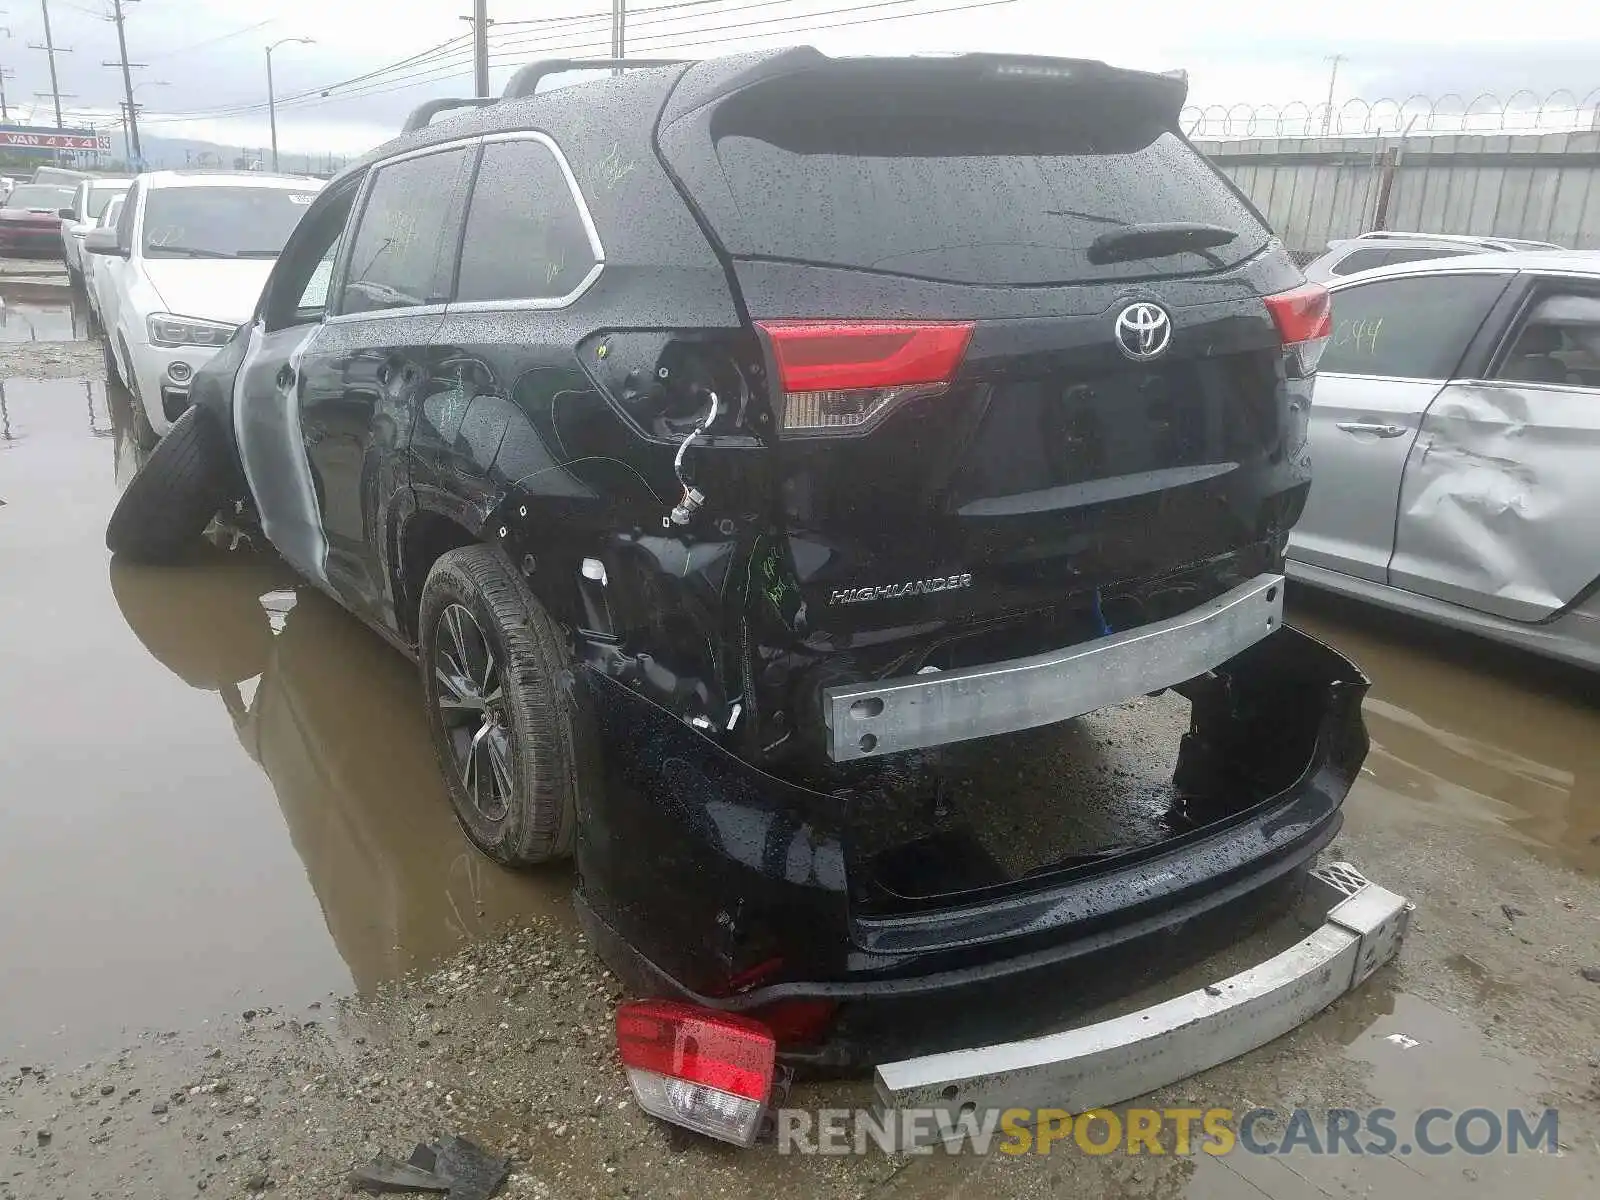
209, 799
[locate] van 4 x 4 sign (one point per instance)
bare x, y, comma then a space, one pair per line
31, 137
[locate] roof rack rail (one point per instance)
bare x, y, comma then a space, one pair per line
422, 116
1474, 239
526, 81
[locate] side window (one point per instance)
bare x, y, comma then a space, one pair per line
1361, 260
130, 209
1412, 328
1559, 342
1402, 254
80, 202
405, 242
298, 291
526, 238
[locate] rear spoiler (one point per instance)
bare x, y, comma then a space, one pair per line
711, 81
526, 83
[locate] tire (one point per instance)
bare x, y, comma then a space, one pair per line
143, 431
109, 360
538, 734
174, 495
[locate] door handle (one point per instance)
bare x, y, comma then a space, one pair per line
1373, 427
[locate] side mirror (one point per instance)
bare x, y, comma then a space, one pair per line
66, 214
104, 241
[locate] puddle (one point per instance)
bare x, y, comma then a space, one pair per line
218, 787
1412, 1056
37, 312
1472, 733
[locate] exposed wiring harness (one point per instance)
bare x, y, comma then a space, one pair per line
693, 498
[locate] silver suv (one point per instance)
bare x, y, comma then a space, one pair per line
1384, 247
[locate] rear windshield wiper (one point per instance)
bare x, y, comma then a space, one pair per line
1156, 239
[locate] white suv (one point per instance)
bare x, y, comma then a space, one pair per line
88, 202
183, 269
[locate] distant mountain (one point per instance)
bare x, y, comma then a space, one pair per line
172, 153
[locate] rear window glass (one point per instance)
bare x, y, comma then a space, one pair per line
969, 184
526, 239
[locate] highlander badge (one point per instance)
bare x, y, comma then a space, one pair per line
888, 591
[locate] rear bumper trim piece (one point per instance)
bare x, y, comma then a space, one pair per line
867, 720
1098, 1065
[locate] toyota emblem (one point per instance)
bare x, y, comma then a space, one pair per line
1143, 331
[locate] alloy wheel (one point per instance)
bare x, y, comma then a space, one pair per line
472, 708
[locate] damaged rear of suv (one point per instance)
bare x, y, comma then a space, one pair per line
760, 457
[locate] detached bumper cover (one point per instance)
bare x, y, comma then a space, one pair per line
1095, 1066
869, 720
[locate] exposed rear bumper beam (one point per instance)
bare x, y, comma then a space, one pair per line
1361, 927
866, 720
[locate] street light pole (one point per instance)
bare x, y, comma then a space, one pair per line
272, 100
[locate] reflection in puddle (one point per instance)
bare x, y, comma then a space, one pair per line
1471, 733
333, 717
32, 312
163, 732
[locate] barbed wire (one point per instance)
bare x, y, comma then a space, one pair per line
1486, 113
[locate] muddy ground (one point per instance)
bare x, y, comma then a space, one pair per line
242, 946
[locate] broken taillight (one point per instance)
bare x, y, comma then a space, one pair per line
843, 377
1304, 317
706, 1070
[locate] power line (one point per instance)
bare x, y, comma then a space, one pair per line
722, 35
244, 108
519, 46
458, 51
450, 60
214, 41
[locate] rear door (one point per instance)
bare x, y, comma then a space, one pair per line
1497, 510
365, 375
1395, 343
1060, 458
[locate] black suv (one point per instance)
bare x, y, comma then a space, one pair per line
738, 444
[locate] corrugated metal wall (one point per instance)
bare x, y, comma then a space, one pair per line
1313, 190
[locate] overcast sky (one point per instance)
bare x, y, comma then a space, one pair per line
206, 76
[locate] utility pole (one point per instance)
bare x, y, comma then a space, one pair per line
1333, 75
135, 152
5, 74
49, 48
479, 20
619, 24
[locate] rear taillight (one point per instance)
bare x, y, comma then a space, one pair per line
706, 1070
1304, 318
840, 377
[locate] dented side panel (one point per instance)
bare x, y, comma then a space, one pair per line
1498, 499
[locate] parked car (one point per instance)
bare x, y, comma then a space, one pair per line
30, 219
91, 276
184, 267
1454, 430
59, 176
1383, 248
718, 523
77, 218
